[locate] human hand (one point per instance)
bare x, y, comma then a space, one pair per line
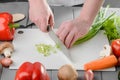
41, 14
71, 30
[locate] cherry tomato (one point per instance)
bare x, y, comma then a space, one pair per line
116, 47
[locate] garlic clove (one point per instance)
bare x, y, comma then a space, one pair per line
106, 51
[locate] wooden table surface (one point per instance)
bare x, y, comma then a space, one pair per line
61, 14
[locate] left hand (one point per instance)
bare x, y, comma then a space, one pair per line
71, 30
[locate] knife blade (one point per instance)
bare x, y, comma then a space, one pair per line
55, 38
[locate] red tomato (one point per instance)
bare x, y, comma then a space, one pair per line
116, 47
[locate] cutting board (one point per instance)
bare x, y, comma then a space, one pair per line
25, 50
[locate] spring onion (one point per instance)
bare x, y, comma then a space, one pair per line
46, 49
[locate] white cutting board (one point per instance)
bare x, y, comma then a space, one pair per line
25, 50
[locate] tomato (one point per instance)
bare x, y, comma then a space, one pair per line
115, 44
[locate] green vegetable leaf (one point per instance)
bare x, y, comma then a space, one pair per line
112, 28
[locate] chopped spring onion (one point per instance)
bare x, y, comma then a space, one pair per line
46, 49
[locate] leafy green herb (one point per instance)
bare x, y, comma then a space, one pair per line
47, 49
112, 28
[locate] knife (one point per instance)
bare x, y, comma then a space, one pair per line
55, 38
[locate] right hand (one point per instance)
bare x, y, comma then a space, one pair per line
41, 14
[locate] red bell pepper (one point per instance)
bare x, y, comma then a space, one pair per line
32, 71
6, 26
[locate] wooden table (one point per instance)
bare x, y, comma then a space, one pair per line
61, 14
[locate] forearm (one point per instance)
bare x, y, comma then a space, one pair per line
35, 2
90, 10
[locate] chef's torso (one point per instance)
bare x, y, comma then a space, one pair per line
65, 2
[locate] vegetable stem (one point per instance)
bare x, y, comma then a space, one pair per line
95, 28
13, 25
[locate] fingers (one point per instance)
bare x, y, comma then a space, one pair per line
42, 18
51, 21
69, 39
60, 29
62, 32
43, 24
65, 34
